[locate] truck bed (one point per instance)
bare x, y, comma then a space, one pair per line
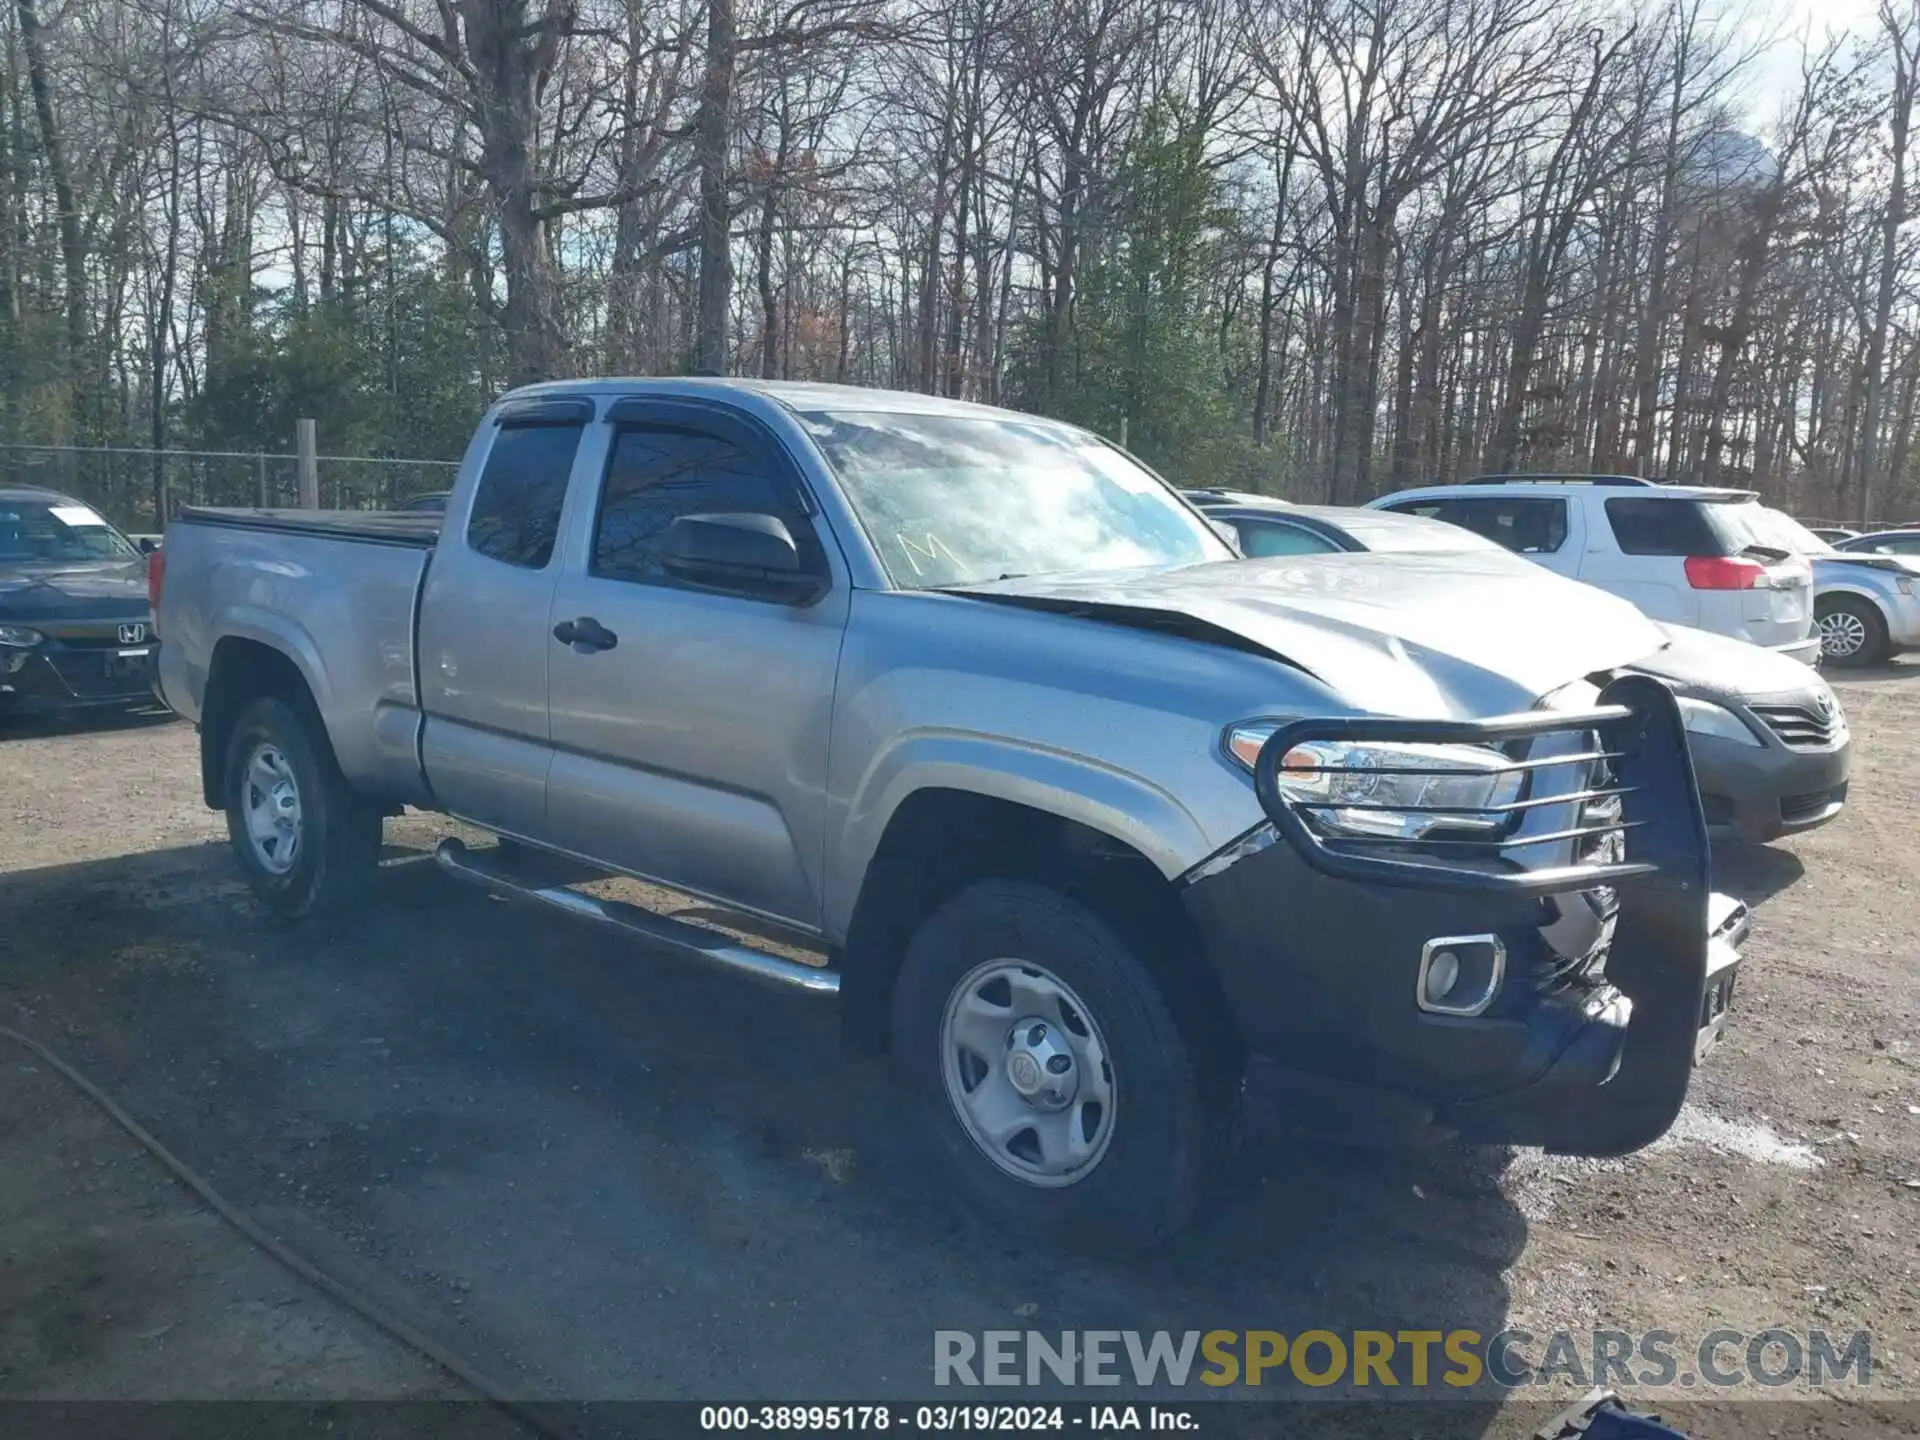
417, 530
333, 591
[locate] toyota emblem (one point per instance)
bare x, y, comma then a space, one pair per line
132, 634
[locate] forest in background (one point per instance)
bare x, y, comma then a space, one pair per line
1320, 248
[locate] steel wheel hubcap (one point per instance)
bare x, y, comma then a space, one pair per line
1842, 633
1028, 1073
271, 804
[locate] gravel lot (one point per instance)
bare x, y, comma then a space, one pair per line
605, 1174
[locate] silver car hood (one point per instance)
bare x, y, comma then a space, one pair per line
1697, 662
1467, 635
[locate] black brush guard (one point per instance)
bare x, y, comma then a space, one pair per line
1659, 954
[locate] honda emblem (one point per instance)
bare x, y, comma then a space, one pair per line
132, 634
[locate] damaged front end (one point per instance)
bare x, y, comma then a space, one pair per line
1540, 962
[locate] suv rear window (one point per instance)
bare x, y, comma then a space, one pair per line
1645, 525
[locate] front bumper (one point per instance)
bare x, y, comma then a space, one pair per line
53, 677
1760, 793
1591, 1033
1903, 620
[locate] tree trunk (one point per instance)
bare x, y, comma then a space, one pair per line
710, 130
1891, 220
73, 249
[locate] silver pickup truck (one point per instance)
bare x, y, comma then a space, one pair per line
1123, 847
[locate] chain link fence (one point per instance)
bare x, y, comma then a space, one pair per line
126, 484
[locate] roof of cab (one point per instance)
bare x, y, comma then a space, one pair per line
799, 396
35, 492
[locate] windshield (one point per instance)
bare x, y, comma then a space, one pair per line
52, 532
957, 500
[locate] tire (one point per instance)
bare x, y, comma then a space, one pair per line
1134, 1161
325, 858
1852, 630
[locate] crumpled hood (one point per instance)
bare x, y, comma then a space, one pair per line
91, 592
1466, 635
1697, 662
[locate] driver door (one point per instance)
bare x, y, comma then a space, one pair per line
692, 748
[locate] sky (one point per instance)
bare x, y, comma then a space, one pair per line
1778, 71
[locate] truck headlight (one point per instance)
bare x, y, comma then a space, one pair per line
20, 635
1405, 791
1703, 717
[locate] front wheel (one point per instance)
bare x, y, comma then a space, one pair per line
1049, 1070
1852, 630
304, 839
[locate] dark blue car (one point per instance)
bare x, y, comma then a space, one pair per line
76, 627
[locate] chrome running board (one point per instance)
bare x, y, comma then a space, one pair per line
479, 868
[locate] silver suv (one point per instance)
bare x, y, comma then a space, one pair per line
1682, 554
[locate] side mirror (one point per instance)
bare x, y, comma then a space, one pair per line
147, 543
748, 554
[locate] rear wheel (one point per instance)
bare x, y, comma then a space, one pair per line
1852, 630
305, 840
1050, 1073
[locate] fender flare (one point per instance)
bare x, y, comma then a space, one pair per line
1850, 587
278, 632
282, 636
1115, 802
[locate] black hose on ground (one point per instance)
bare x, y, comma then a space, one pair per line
362, 1305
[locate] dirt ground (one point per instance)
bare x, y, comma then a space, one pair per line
603, 1174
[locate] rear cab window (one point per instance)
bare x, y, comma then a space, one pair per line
516, 506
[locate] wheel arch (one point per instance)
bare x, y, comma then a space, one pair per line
244, 668
940, 839
1837, 596
1850, 587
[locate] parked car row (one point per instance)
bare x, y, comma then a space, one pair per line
1769, 739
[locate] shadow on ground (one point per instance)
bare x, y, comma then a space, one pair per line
643, 1180
1901, 668
1754, 873
81, 722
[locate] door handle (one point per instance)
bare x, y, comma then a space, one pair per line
585, 635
